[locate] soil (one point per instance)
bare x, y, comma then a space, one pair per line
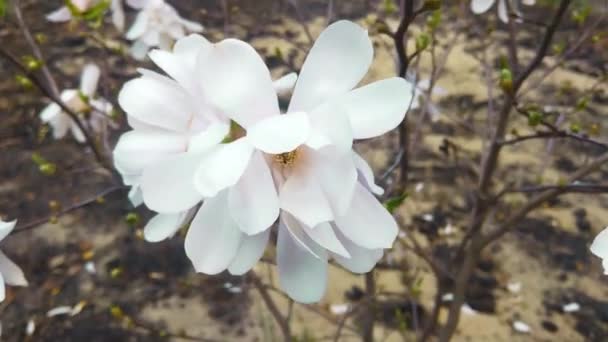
149, 292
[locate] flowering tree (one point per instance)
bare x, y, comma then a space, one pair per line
243, 165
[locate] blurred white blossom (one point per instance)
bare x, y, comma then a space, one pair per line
157, 25
521, 327
82, 101
64, 13
599, 247
482, 6
423, 98
10, 273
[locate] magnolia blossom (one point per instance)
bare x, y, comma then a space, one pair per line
421, 97
10, 273
599, 247
81, 101
157, 25
65, 14
482, 6
173, 125
298, 166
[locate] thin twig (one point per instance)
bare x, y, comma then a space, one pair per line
272, 306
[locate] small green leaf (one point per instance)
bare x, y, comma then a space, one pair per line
393, 203
2, 8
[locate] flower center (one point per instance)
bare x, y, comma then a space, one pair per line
287, 158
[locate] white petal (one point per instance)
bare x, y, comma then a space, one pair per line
137, 4
302, 196
249, 253
157, 102
296, 229
89, 79
209, 138
336, 63
253, 200
222, 167
362, 260
324, 235
77, 133
118, 15
302, 275
191, 26
599, 246
168, 185
139, 50
135, 196
213, 239
337, 175
330, 125
529, 2
481, 6
181, 63
50, 112
60, 15
377, 107
2, 288
366, 174
280, 133
136, 149
285, 84
503, 12
367, 223
163, 226
6, 228
12, 274
139, 27
236, 80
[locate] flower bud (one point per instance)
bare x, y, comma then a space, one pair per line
506, 80
431, 5
422, 41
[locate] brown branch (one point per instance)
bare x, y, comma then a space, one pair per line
272, 307
370, 316
538, 200
553, 135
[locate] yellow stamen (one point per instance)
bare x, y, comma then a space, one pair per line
287, 158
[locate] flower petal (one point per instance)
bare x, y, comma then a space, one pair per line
367, 223
235, 79
89, 79
336, 63
163, 226
302, 196
6, 228
337, 175
213, 239
324, 235
503, 12
139, 27
280, 133
60, 15
362, 260
168, 185
136, 149
366, 174
599, 247
253, 200
481, 6
302, 275
250, 251
12, 274
377, 107
118, 15
157, 102
181, 63
285, 84
2, 288
222, 167
330, 125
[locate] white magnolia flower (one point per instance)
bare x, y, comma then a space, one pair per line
81, 101
157, 25
10, 273
599, 247
173, 125
64, 14
300, 164
482, 6
421, 98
